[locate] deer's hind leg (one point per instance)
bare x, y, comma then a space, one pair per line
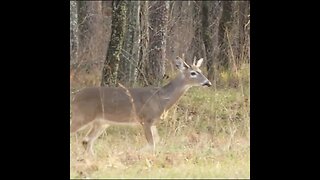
96, 130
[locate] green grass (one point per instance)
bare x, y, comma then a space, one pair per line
178, 157
206, 135
197, 167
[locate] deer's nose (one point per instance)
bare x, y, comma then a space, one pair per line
207, 83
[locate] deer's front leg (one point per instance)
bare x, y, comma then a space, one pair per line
151, 134
148, 133
155, 134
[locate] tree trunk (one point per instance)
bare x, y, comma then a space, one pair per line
125, 53
224, 25
144, 43
73, 32
130, 53
207, 37
88, 19
196, 50
243, 31
136, 43
247, 32
158, 18
111, 65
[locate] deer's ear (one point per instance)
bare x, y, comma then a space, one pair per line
199, 62
194, 62
180, 64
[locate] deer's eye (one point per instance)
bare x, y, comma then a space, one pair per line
193, 73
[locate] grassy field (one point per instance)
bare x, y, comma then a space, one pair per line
206, 135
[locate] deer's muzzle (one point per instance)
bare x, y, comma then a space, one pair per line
207, 83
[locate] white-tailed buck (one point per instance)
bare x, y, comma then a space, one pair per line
104, 106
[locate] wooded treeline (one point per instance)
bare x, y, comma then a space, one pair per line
133, 42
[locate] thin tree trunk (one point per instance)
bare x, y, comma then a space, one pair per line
73, 32
136, 42
144, 43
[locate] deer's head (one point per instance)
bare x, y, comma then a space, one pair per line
191, 73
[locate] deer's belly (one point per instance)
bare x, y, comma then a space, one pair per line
119, 121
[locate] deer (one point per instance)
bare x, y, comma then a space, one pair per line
101, 107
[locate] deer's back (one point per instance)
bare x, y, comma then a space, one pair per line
119, 104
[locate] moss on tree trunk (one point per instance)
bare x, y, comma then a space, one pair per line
158, 18
111, 65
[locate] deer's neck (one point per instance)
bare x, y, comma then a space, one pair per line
172, 92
